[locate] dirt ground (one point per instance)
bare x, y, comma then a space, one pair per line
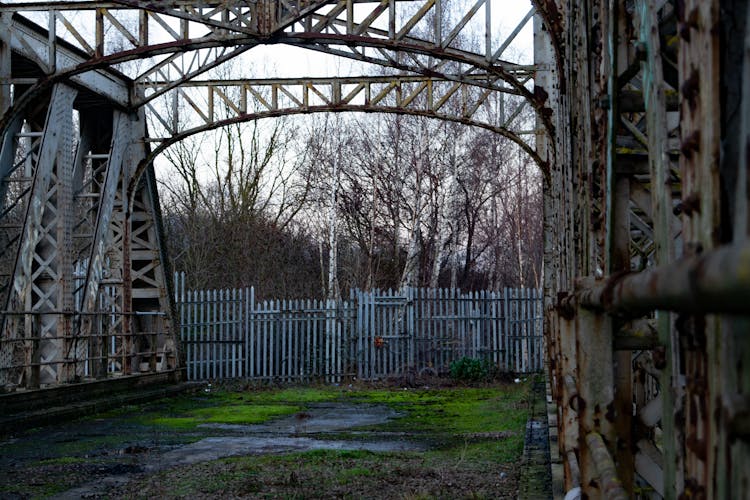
238, 441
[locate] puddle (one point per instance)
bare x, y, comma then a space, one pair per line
221, 447
318, 418
284, 435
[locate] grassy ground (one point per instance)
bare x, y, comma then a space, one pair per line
474, 437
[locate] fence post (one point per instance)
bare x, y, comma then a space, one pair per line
477, 315
525, 323
538, 332
235, 319
506, 331
410, 330
283, 365
262, 350
185, 333
360, 333
198, 333
249, 324
493, 325
339, 343
372, 364
223, 326
276, 352
307, 362
327, 369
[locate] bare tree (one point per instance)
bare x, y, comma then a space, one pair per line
232, 200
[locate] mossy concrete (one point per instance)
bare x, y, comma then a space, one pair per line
535, 482
469, 441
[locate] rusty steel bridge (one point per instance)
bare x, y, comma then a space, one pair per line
641, 134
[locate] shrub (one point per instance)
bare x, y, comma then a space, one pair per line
471, 369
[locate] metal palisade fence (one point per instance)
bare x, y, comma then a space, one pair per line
372, 335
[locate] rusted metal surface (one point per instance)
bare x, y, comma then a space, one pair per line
219, 32
232, 101
714, 282
68, 301
611, 487
677, 293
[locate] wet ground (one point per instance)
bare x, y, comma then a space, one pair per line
361, 445
284, 435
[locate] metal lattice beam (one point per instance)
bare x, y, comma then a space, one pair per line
215, 103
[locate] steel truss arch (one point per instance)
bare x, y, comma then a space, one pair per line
267, 19
182, 135
336, 32
216, 103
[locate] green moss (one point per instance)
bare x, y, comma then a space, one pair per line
63, 461
246, 414
335, 474
479, 425
224, 407
87, 444
346, 476
323, 456
294, 395
460, 410
487, 451
471, 434
329, 466
41, 489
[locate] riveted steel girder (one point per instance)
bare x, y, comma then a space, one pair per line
82, 279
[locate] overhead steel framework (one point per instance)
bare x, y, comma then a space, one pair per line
93, 91
642, 119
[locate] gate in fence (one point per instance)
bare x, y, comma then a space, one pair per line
372, 335
423, 330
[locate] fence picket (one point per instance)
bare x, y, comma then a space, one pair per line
202, 346
480, 343
339, 349
223, 321
219, 322
210, 344
186, 323
263, 351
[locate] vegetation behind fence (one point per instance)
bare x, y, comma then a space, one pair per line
371, 335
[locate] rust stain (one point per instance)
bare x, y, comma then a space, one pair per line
690, 89
691, 144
